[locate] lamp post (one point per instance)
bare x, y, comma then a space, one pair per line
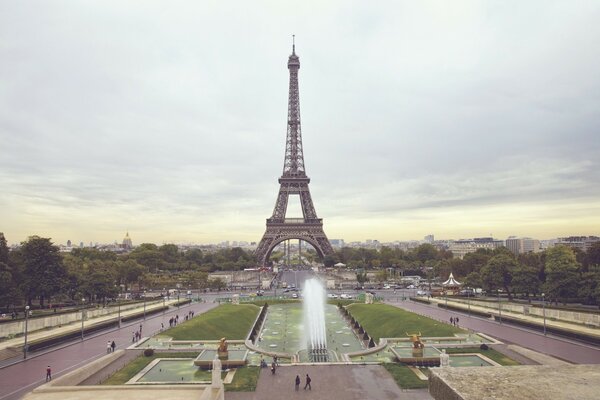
499, 307
119, 307
82, 315
446, 295
544, 310
164, 308
144, 305
469, 303
26, 320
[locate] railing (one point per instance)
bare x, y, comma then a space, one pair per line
294, 221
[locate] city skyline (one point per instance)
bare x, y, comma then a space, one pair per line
462, 120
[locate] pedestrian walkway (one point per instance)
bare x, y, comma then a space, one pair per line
64, 330
530, 319
347, 382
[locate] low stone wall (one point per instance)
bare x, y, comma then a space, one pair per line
580, 317
74, 378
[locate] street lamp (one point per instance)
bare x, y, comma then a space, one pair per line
26, 320
119, 305
544, 310
144, 305
469, 303
164, 308
499, 307
82, 315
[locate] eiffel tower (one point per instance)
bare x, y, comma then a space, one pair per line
293, 182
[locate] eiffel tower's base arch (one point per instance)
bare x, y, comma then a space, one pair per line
275, 234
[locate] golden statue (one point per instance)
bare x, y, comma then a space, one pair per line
223, 345
415, 338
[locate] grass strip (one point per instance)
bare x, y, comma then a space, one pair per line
405, 378
490, 353
244, 380
230, 321
130, 370
384, 320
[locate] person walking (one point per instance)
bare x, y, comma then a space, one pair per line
456, 321
273, 368
108, 348
113, 345
308, 380
297, 382
48, 374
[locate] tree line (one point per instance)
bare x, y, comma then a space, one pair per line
562, 273
37, 273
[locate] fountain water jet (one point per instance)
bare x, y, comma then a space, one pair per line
314, 320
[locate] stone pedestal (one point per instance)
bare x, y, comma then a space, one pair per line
216, 381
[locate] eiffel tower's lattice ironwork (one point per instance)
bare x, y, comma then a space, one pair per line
293, 181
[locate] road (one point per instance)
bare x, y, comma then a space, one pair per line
18, 379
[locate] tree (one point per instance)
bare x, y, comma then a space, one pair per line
593, 254
382, 275
525, 280
473, 280
361, 278
3, 249
561, 273
498, 273
43, 271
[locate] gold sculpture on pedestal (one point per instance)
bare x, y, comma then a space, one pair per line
418, 345
222, 350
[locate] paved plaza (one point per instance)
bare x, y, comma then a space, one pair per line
346, 382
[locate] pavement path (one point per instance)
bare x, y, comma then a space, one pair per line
18, 379
572, 351
348, 382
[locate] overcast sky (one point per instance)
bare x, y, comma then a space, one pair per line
168, 119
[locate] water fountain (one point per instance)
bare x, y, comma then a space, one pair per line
314, 321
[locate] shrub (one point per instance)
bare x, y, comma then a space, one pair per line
149, 352
484, 347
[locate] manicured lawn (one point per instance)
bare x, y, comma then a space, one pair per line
405, 378
230, 321
491, 354
244, 380
135, 366
383, 320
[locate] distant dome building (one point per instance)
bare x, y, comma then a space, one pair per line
127, 244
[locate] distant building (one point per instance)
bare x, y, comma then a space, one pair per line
579, 242
429, 239
127, 243
522, 245
339, 243
460, 248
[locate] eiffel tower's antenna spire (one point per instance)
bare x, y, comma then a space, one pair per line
293, 44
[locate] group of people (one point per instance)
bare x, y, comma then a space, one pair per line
275, 364
110, 346
454, 321
137, 335
306, 385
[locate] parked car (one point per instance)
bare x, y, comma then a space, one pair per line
332, 296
